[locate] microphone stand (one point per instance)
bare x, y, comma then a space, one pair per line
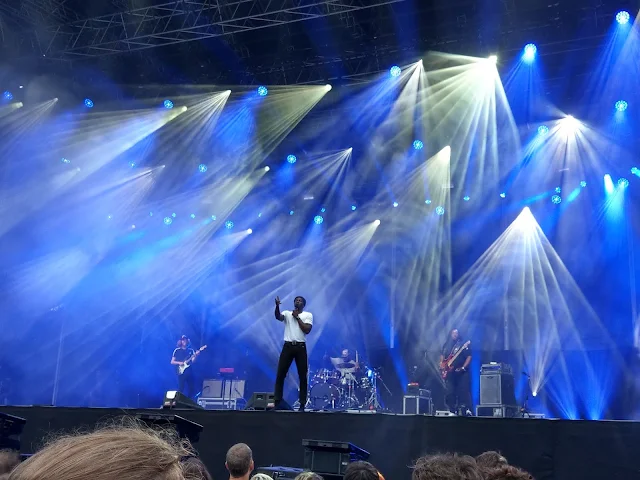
524, 410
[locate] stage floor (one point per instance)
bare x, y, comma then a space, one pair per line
549, 449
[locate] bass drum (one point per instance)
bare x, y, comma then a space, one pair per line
324, 396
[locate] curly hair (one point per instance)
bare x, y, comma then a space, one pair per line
446, 466
491, 459
507, 473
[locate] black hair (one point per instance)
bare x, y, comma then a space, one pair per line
304, 301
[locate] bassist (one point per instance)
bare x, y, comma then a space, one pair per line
458, 390
181, 355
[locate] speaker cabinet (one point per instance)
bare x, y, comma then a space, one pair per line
497, 389
260, 401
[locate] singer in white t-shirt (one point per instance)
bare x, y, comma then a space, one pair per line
297, 325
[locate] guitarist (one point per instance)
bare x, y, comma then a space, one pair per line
458, 390
181, 355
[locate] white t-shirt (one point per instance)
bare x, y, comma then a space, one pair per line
292, 331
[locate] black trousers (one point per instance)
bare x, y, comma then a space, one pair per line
458, 391
185, 383
292, 351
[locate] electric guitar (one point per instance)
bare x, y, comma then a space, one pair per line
447, 364
187, 363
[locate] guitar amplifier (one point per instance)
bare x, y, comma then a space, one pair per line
233, 389
284, 473
497, 389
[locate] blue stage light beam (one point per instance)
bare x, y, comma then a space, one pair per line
529, 53
623, 183
621, 105
263, 91
622, 17
318, 219
168, 104
609, 188
88, 103
7, 95
635, 171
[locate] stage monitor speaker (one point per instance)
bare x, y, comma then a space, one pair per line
10, 431
185, 428
331, 458
260, 401
497, 389
175, 399
277, 473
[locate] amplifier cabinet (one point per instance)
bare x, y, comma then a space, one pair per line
497, 389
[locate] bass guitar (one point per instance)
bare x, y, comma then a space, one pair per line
187, 363
447, 364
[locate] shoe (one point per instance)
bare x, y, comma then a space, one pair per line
301, 409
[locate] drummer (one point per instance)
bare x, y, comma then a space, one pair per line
346, 364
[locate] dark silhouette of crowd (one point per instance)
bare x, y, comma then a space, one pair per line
131, 451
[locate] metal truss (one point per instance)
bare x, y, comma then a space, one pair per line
38, 12
180, 21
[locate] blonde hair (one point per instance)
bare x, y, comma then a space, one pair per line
308, 476
126, 452
261, 476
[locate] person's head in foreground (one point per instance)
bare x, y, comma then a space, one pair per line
239, 461
490, 460
446, 467
129, 452
361, 471
308, 476
507, 473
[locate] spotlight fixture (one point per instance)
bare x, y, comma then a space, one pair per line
376, 223
328, 87
65, 160
88, 103
543, 130
168, 104
395, 204
353, 208
440, 210
530, 51
558, 190
132, 164
214, 218
228, 224
318, 219
622, 17
292, 159
322, 210
202, 168
395, 71
7, 95
262, 91
174, 215
193, 215
249, 231
583, 184
427, 201
623, 183
267, 168
168, 220
493, 59
556, 199
635, 171
291, 212
621, 105
466, 198
503, 195
418, 145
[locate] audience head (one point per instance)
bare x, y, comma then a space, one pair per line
361, 471
261, 476
507, 473
309, 476
490, 460
446, 466
9, 459
239, 461
194, 469
123, 453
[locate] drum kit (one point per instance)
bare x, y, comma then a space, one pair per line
346, 387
